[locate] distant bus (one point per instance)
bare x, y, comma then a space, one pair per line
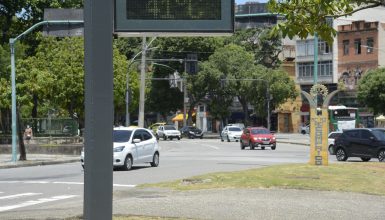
342, 117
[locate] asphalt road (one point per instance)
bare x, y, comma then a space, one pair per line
56, 191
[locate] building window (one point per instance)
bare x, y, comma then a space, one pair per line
357, 46
346, 47
306, 70
323, 47
369, 45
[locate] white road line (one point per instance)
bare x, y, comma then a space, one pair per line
214, 147
69, 183
35, 202
58, 182
122, 185
19, 195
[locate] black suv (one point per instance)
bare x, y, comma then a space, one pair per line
365, 143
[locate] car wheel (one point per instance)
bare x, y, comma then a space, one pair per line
164, 137
251, 146
365, 159
303, 132
341, 155
381, 156
155, 160
263, 148
171, 138
330, 149
228, 139
273, 148
127, 163
241, 144
178, 138
201, 137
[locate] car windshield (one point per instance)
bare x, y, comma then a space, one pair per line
234, 129
121, 136
169, 128
334, 135
260, 131
193, 128
380, 134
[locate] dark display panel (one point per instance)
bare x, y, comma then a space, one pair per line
173, 9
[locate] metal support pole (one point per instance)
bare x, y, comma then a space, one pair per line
142, 84
315, 74
184, 96
99, 109
13, 83
268, 106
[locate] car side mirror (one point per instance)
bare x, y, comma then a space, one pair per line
136, 140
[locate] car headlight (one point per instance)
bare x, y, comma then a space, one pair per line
118, 149
273, 138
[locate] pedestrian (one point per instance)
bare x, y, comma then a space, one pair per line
28, 133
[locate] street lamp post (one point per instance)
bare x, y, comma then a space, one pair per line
12, 42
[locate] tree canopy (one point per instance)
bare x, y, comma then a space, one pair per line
371, 90
307, 17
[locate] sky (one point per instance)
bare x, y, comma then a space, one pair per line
243, 1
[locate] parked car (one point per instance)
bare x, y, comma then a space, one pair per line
365, 143
254, 137
231, 133
132, 146
191, 132
167, 132
331, 139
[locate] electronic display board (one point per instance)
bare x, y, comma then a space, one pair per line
174, 17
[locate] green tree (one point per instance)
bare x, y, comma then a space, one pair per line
54, 78
371, 90
306, 17
265, 47
164, 99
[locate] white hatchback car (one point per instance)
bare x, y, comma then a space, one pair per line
231, 133
133, 146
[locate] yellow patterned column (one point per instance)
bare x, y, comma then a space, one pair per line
319, 137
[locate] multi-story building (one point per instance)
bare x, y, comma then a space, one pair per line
359, 50
358, 47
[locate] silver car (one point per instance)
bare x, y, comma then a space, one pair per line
231, 133
133, 146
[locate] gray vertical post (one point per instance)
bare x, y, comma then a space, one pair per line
98, 17
142, 84
13, 82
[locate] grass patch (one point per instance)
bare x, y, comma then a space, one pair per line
368, 178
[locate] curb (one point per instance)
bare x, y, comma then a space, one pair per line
36, 163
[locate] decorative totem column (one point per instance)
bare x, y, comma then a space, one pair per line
319, 124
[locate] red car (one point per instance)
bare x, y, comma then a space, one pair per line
257, 137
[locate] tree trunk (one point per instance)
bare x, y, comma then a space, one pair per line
23, 154
245, 111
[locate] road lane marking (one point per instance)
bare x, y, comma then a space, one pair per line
69, 183
214, 147
19, 195
35, 202
59, 182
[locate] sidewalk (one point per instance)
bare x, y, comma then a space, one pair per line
36, 160
46, 159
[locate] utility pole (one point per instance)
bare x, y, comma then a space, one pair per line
142, 83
